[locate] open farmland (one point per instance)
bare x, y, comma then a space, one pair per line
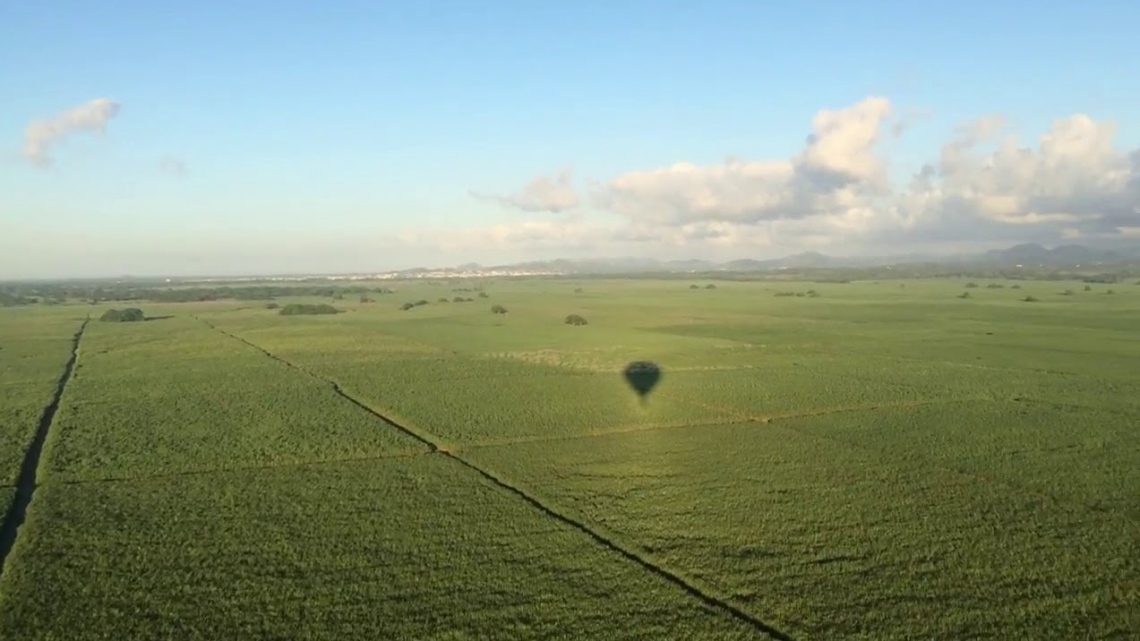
880, 460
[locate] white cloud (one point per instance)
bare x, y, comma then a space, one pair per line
40, 135
835, 194
836, 170
553, 194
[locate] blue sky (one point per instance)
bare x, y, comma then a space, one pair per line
318, 136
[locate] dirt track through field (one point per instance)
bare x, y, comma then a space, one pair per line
26, 482
433, 445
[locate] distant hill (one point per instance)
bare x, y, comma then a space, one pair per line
1027, 255
1061, 256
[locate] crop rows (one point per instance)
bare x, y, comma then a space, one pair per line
412, 548
173, 396
828, 541
879, 462
34, 346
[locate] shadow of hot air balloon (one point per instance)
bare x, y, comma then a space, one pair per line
642, 376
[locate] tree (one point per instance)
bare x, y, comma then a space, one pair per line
129, 315
304, 309
498, 309
574, 319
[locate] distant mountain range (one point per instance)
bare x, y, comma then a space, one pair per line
1025, 255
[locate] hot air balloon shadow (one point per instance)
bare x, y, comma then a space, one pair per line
642, 376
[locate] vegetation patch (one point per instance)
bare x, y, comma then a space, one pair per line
129, 315
307, 309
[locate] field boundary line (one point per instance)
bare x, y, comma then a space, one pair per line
26, 482
738, 418
243, 468
660, 571
427, 442
523, 440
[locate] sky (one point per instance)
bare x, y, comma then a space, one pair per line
256, 137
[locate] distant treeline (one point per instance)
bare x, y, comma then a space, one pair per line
29, 294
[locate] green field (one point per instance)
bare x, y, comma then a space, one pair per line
884, 460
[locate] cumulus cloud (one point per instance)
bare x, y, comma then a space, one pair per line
982, 186
835, 171
551, 194
1073, 181
40, 135
172, 166
835, 193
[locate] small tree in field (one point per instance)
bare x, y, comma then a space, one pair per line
129, 315
498, 309
575, 319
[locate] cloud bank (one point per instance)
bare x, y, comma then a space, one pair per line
550, 194
42, 134
835, 193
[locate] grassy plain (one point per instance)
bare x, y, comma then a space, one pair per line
885, 460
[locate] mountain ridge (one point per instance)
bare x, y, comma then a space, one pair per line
1020, 255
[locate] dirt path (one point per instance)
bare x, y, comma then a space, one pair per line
26, 482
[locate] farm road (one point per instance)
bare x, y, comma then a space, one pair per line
433, 444
26, 482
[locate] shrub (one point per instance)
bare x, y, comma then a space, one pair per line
406, 306
303, 309
575, 319
272, 306
971, 285
129, 315
443, 299
578, 290
694, 286
710, 286
498, 309
484, 295
1067, 292
1088, 288
964, 295
420, 302
1030, 299
1109, 291
994, 286
1015, 286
